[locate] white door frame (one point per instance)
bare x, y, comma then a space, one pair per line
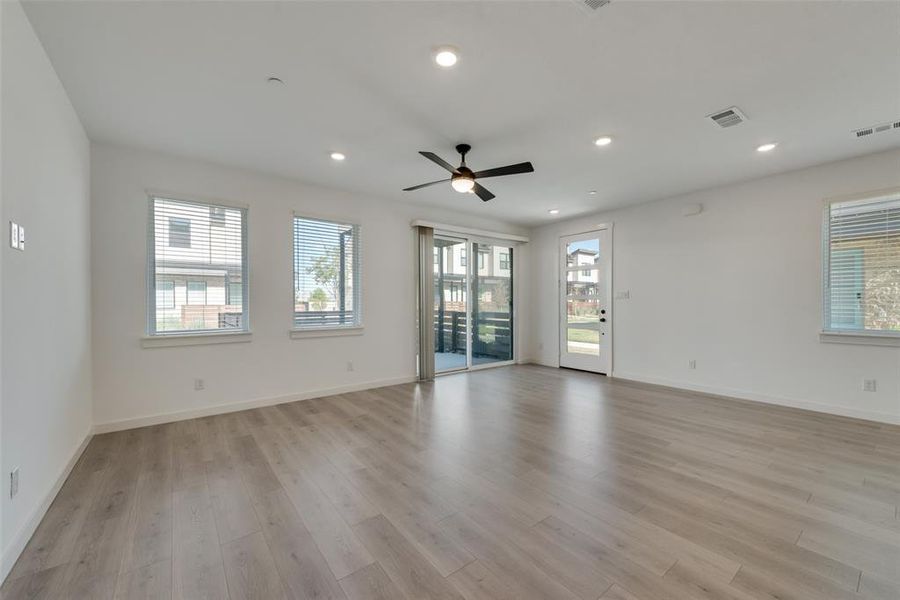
604, 366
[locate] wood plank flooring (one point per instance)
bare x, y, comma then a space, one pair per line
520, 483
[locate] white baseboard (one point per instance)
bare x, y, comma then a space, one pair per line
219, 409
12, 552
755, 397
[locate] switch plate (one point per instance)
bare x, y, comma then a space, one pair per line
869, 385
21, 238
624, 295
692, 363
13, 235
199, 384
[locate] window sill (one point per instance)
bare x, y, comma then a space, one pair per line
299, 334
194, 339
860, 338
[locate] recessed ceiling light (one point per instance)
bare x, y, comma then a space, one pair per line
553, 211
592, 192
337, 156
275, 80
767, 147
603, 140
446, 56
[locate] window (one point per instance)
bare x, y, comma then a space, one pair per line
326, 274
196, 292
862, 278
217, 217
504, 260
179, 232
586, 272
195, 250
481, 256
165, 294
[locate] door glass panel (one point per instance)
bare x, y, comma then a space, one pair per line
583, 297
492, 289
450, 303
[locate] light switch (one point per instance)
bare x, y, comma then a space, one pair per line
13, 235
21, 238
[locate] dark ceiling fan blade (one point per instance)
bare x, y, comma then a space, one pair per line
483, 193
525, 167
437, 159
419, 187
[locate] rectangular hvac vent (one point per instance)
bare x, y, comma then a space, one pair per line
728, 117
873, 129
595, 4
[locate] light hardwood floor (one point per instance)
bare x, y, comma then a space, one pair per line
515, 483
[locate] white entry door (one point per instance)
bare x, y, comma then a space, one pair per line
585, 323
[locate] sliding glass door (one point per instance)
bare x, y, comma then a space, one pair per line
450, 304
470, 334
492, 314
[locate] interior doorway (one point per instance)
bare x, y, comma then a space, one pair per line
585, 323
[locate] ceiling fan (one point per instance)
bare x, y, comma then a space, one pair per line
463, 178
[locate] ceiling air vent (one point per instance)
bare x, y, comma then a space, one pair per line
728, 117
589, 6
873, 129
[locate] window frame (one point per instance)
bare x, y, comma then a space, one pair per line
829, 334
172, 220
154, 338
355, 327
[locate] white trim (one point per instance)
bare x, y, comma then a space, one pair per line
469, 231
731, 393
862, 338
219, 409
195, 339
320, 332
12, 552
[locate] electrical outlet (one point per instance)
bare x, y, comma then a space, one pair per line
349, 365
869, 385
14, 482
199, 384
692, 364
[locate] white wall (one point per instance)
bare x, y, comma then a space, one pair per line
132, 383
738, 288
46, 368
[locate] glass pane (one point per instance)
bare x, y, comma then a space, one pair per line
198, 248
584, 253
584, 312
450, 303
326, 274
583, 341
492, 312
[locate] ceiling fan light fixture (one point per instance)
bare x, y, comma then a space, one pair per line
462, 184
446, 56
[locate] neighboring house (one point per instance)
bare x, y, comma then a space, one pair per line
198, 268
583, 281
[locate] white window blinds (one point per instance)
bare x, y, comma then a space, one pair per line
198, 267
326, 274
862, 280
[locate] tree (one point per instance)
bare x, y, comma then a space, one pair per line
318, 299
326, 270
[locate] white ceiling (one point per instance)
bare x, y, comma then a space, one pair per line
536, 81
